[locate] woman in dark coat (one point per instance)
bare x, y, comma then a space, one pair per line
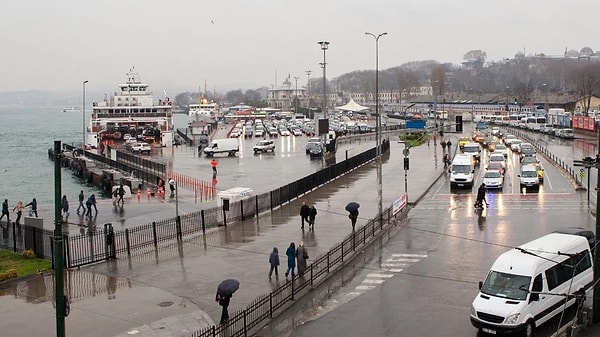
291, 259
312, 215
301, 256
224, 302
353, 217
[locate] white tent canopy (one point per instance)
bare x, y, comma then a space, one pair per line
351, 106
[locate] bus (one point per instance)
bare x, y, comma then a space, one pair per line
535, 123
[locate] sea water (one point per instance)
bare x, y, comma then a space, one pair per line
26, 134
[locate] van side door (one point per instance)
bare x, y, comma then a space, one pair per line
536, 302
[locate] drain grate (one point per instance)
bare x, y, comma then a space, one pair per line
165, 304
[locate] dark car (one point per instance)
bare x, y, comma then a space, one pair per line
314, 149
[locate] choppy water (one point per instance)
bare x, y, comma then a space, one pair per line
26, 134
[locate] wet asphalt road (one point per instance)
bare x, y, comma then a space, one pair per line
422, 282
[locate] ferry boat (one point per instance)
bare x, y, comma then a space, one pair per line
71, 109
203, 110
131, 113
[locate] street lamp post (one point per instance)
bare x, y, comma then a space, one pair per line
546, 106
308, 88
83, 122
324, 46
378, 123
296, 97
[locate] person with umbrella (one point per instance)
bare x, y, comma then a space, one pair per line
352, 208
225, 291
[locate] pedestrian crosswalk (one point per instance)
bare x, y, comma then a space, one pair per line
538, 204
392, 265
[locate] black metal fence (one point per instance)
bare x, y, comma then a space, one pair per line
146, 170
267, 306
101, 244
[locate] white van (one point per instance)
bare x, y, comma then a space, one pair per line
518, 293
227, 145
528, 177
462, 171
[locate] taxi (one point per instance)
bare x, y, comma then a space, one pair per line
462, 141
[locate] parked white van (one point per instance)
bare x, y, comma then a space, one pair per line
525, 285
462, 171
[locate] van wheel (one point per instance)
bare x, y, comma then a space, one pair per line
528, 330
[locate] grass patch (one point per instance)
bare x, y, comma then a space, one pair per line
414, 138
17, 264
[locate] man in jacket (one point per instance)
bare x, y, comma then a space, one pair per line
304, 213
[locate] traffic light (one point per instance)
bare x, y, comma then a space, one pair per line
459, 123
516, 101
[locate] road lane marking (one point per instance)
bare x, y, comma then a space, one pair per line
380, 275
365, 287
373, 281
410, 255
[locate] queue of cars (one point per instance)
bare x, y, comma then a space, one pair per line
260, 128
531, 172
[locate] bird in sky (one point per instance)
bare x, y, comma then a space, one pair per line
211, 21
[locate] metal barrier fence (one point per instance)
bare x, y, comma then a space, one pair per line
266, 306
102, 244
141, 173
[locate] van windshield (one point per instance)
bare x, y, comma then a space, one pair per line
461, 169
471, 149
514, 287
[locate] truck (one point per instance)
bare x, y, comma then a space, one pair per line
227, 145
232, 195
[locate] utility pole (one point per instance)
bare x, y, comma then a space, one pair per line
296, 97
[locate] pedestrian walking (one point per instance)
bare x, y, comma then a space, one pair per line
94, 202
5, 211
304, 214
224, 302
213, 164
291, 260
33, 209
274, 262
121, 195
301, 256
88, 205
353, 217
64, 207
428, 141
172, 186
443, 144
81, 205
19, 210
311, 216
445, 159
448, 144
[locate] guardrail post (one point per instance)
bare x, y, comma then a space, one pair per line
328, 253
178, 227
242, 208
203, 223
127, 244
154, 236
245, 323
271, 305
311, 274
293, 276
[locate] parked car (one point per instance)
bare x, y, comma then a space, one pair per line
565, 133
141, 148
264, 146
314, 149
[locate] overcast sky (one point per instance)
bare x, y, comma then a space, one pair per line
177, 45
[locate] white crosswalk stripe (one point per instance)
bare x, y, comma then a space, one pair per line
363, 287
368, 280
380, 275
410, 255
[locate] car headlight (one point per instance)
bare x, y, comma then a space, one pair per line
473, 312
512, 319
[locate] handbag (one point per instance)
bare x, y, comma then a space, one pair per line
305, 255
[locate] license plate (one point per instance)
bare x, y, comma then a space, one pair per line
490, 331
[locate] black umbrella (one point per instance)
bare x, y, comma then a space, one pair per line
228, 287
352, 206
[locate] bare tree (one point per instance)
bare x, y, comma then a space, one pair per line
437, 79
586, 76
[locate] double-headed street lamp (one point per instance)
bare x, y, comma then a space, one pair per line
83, 122
296, 97
324, 46
378, 122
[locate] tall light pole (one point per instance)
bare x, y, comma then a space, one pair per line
296, 97
83, 122
546, 106
378, 122
324, 46
308, 88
